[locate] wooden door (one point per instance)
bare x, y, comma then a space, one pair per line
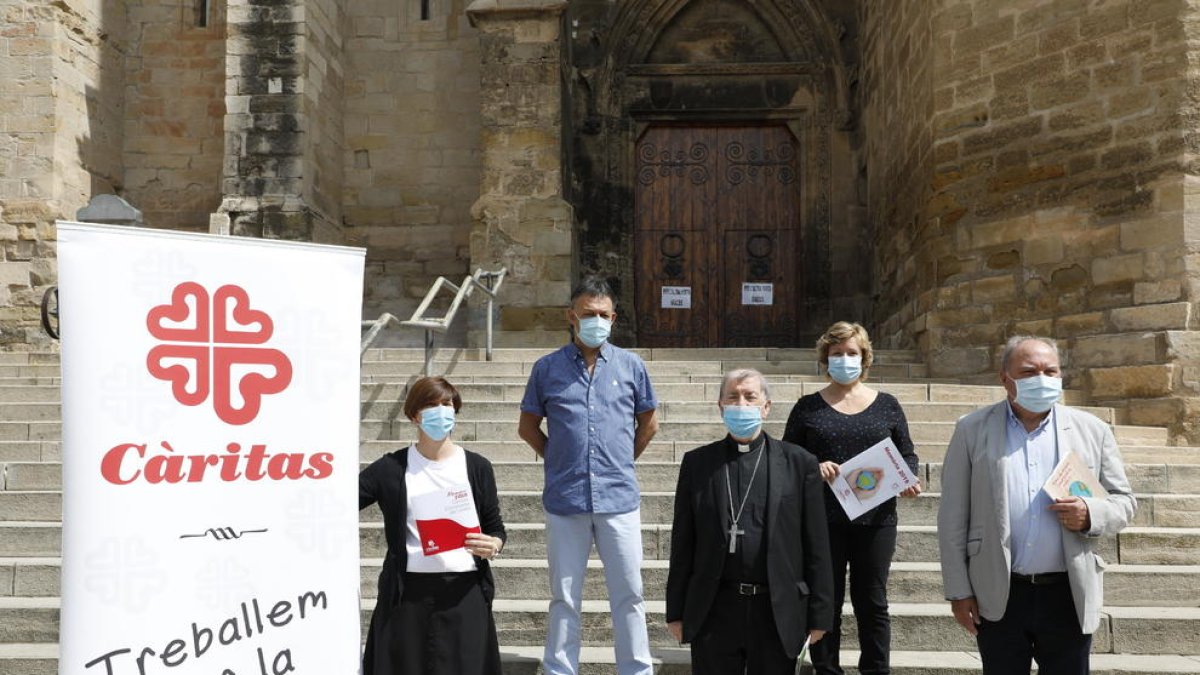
717, 236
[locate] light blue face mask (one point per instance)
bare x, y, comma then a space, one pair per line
438, 421
594, 330
742, 421
845, 369
1038, 393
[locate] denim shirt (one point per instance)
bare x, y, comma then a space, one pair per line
590, 421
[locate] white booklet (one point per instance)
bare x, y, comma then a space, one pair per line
1072, 478
871, 478
444, 517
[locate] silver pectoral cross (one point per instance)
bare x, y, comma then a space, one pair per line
734, 533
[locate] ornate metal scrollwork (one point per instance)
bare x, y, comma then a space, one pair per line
743, 163
652, 163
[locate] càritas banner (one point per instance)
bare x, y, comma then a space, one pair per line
210, 395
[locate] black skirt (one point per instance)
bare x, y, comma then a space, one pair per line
444, 626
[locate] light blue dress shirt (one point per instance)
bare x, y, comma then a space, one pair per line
589, 427
1036, 533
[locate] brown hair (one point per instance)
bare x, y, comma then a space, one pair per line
839, 333
428, 392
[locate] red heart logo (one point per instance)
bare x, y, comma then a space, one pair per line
232, 301
178, 311
180, 375
252, 386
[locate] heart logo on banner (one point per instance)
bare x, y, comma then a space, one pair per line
196, 362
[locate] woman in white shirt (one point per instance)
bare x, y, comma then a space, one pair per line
442, 522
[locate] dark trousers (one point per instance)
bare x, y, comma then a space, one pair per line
740, 637
1039, 624
446, 627
868, 551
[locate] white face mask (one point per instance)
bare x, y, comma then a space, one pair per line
1038, 393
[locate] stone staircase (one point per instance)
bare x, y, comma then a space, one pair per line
1152, 618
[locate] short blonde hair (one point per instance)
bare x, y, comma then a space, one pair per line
839, 333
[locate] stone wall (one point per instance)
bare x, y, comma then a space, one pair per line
61, 94
323, 95
897, 109
280, 69
1057, 196
412, 149
521, 220
173, 113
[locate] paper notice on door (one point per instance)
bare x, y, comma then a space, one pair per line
1073, 478
871, 477
444, 518
758, 294
676, 297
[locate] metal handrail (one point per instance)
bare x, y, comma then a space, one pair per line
376, 327
488, 282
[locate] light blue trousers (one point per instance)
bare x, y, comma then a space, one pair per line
618, 539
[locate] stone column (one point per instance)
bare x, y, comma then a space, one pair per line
283, 137
521, 220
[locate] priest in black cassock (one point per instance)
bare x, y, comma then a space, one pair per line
750, 577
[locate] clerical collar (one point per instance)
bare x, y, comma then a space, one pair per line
753, 445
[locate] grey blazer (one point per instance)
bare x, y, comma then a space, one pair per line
974, 534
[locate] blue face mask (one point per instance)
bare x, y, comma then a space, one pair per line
438, 421
1038, 393
845, 369
742, 421
594, 330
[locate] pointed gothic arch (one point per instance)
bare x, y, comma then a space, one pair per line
712, 63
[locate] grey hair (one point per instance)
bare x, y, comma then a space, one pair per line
739, 375
593, 287
1016, 341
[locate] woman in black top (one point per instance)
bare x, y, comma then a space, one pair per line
434, 611
835, 424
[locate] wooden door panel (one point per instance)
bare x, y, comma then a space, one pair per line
675, 215
766, 259
674, 260
716, 208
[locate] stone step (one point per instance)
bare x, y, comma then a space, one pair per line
42, 659
460, 379
487, 410
915, 543
667, 451
929, 627
693, 432
1124, 585
525, 506
781, 392
668, 411
653, 476
658, 451
656, 369
503, 355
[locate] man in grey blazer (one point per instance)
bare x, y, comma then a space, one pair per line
1017, 566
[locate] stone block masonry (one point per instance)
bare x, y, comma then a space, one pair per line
521, 220
283, 122
1048, 192
412, 160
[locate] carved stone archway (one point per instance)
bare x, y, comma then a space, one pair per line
713, 62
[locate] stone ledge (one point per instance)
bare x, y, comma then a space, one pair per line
485, 8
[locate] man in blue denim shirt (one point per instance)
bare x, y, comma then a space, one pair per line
599, 408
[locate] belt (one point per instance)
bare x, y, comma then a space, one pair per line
745, 589
1043, 579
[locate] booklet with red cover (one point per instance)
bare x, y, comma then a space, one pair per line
444, 518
